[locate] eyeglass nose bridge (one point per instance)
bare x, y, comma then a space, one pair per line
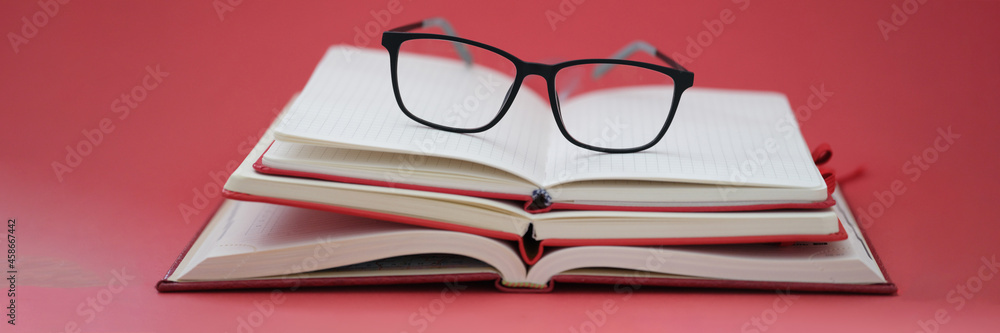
545, 71
534, 68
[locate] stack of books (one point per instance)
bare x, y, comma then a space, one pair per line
344, 189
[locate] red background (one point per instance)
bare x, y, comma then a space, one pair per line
118, 209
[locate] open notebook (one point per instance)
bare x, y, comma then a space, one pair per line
726, 150
533, 232
259, 245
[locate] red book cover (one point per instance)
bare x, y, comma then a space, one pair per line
166, 285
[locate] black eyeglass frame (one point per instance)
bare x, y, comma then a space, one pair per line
393, 39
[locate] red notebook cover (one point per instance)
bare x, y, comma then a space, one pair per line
820, 155
165, 285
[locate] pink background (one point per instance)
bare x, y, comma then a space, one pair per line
117, 211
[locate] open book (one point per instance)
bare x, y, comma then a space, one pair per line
249, 244
504, 219
726, 150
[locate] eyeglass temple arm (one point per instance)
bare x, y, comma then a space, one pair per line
440, 22
630, 49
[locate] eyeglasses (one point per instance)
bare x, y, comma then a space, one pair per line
463, 86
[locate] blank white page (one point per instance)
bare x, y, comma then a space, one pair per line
349, 103
717, 137
262, 227
395, 168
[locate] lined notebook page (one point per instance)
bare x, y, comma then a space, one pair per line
349, 103
717, 137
